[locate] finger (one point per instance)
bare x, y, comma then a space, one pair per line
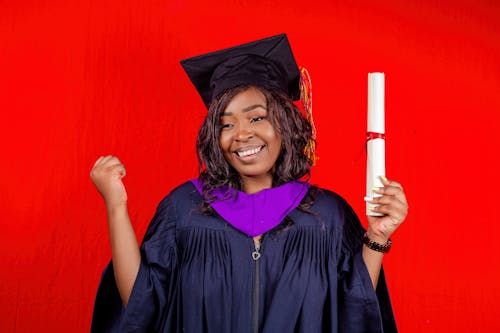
112, 161
386, 200
98, 160
392, 186
115, 166
388, 190
389, 182
119, 168
105, 159
100, 163
123, 172
391, 190
396, 210
394, 214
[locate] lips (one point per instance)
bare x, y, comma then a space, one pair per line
248, 152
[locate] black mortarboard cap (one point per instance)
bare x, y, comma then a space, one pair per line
267, 63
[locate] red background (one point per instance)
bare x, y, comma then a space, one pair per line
79, 79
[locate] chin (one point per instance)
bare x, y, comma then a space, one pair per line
255, 173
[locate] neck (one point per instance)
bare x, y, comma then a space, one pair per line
252, 185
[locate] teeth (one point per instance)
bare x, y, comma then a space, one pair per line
249, 152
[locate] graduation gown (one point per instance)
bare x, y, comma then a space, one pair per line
199, 274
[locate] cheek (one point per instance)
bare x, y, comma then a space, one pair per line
269, 132
278, 147
274, 140
224, 142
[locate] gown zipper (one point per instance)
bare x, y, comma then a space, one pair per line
256, 256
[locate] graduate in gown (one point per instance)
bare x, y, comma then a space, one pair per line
249, 245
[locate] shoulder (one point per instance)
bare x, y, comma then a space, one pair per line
341, 215
183, 196
328, 201
171, 209
332, 208
180, 199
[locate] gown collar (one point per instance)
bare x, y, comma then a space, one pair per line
255, 214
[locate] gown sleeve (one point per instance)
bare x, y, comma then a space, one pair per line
148, 309
361, 309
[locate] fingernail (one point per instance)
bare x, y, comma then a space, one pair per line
371, 207
375, 188
383, 178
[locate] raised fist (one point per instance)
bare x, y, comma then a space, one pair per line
107, 175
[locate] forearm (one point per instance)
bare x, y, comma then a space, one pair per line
373, 262
125, 250
373, 259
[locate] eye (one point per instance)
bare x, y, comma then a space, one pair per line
224, 126
255, 119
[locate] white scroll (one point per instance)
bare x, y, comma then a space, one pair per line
375, 145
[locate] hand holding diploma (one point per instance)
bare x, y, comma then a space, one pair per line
386, 205
393, 208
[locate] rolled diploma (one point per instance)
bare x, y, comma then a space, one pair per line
375, 161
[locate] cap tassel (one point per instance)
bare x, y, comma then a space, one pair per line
306, 98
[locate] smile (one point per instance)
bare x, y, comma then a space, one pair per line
247, 152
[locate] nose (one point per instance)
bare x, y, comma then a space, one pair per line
244, 133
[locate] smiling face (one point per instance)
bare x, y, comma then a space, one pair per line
248, 139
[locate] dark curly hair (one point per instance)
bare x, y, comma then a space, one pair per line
286, 118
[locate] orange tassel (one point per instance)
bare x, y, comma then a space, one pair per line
306, 98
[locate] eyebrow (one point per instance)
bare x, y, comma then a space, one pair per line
255, 106
247, 109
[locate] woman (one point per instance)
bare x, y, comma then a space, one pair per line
248, 246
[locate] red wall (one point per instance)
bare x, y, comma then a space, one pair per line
83, 78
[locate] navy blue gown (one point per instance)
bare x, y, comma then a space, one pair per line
198, 274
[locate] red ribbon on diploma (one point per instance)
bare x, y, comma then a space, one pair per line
374, 135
